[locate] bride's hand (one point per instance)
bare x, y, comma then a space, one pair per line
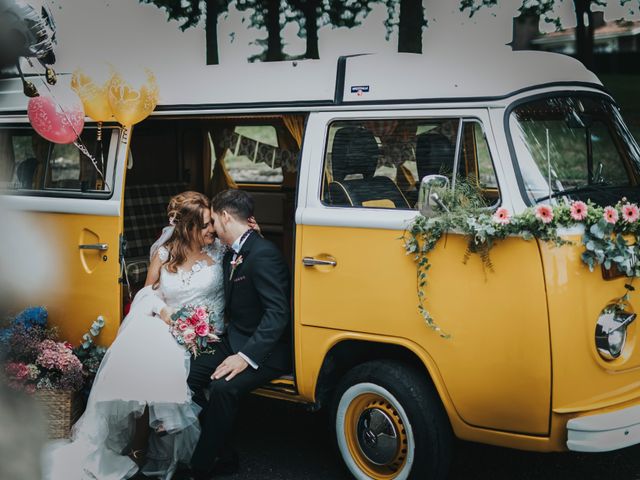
165, 315
254, 225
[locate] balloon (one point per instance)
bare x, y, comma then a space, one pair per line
129, 104
94, 95
58, 117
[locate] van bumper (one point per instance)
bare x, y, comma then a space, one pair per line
605, 431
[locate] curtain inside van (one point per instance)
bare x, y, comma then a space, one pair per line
7, 158
220, 179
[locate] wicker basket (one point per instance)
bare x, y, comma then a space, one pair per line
62, 409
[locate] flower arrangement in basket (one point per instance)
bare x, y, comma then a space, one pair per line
36, 362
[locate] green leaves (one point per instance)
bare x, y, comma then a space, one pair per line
604, 243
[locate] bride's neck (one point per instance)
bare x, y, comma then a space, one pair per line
194, 249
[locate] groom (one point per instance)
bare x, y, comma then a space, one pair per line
256, 345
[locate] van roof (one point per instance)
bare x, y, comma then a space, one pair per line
378, 78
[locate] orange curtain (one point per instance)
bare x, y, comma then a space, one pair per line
295, 125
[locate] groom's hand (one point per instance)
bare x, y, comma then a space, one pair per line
230, 367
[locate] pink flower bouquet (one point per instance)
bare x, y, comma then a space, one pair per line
192, 327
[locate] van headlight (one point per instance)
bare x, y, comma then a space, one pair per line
611, 331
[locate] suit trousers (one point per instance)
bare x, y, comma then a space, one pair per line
219, 412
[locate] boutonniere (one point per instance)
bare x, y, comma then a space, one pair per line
234, 264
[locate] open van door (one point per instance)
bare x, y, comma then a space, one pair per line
77, 216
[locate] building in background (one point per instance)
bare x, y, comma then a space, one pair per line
616, 55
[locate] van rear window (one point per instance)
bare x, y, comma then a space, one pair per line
254, 155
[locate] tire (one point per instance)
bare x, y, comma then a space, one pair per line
390, 424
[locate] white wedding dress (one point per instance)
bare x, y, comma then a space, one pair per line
143, 367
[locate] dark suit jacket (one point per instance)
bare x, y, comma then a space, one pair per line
257, 304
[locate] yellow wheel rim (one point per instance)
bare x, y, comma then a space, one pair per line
375, 436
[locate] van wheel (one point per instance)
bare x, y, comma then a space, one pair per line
390, 424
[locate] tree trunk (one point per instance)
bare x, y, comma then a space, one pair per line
311, 26
211, 32
410, 26
584, 32
274, 42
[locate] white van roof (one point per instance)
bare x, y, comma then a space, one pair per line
378, 78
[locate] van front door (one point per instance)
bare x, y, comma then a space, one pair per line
356, 284
76, 218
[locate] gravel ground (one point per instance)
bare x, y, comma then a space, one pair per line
277, 440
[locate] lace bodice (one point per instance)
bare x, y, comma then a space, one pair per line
201, 285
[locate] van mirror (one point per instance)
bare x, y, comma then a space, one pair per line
428, 196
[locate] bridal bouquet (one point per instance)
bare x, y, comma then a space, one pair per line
192, 328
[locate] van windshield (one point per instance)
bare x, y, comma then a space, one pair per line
574, 148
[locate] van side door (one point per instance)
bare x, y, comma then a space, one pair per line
77, 217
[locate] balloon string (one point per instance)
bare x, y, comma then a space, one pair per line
78, 143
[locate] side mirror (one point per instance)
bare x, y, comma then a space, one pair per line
428, 196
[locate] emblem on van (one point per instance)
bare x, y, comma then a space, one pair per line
359, 89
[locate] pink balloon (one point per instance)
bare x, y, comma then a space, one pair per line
60, 120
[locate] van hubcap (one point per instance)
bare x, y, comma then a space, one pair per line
376, 436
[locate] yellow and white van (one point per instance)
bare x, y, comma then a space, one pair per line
333, 154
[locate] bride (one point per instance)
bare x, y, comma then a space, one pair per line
144, 372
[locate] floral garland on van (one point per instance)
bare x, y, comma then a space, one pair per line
604, 239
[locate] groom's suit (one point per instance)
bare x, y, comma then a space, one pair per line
258, 315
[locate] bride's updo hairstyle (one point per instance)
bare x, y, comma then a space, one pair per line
186, 214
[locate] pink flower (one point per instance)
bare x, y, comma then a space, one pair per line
579, 211
544, 213
610, 215
630, 212
182, 326
193, 320
202, 330
189, 336
502, 216
17, 370
200, 313
68, 345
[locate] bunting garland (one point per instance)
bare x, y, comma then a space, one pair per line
260, 152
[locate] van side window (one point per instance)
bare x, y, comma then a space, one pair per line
29, 162
379, 163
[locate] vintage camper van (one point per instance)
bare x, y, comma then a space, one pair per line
333, 154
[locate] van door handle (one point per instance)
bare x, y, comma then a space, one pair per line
311, 262
94, 246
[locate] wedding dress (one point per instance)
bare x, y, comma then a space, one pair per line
144, 367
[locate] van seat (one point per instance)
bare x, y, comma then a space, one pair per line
145, 215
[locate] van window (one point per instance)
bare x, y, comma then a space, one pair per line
29, 162
254, 155
379, 164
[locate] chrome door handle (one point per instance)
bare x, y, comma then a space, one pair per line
311, 262
94, 246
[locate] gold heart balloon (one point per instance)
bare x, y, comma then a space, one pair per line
129, 104
94, 96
